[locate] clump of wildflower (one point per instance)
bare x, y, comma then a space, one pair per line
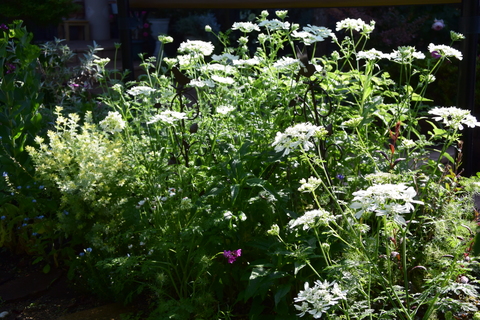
312, 218
196, 47
140, 90
113, 122
310, 185
319, 299
167, 116
384, 199
298, 135
454, 117
445, 51
232, 255
246, 27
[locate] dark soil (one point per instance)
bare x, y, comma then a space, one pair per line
28, 293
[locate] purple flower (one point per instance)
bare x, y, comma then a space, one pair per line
232, 255
3, 26
10, 67
340, 176
438, 25
146, 25
436, 54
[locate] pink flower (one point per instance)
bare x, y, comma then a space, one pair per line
232, 255
438, 25
146, 25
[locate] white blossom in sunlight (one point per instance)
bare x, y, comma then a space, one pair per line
406, 55
224, 80
275, 24
454, 117
372, 54
356, 24
140, 90
245, 26
311, 219
113, 122
167, 116
225, 109
196, 47
384, 199
218, 67
201, 83
311, 34
298, 135
445, 51
320, 299
224, 57
309, 185
286, 62
247, 62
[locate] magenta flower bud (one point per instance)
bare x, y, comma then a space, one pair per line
436, 54
146, 25
438, 25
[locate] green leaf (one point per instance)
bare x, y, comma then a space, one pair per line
46, 269
281, 292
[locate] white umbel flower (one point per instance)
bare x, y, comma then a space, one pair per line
445, 51
454, 117
298, 135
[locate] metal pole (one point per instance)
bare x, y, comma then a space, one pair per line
125, 38
469, 26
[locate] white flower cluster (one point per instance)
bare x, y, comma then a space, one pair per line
298, 135
312, 218
196, 47
372, 54
356, 24
246, 27
383, 200
167, 116
445, 51
275, 24
319, 299
454, 117
312, 34
406, 55
225, 109
311, 185
140, 90
113, 122
286, 62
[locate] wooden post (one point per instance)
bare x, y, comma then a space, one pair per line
125, 38
466, 84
